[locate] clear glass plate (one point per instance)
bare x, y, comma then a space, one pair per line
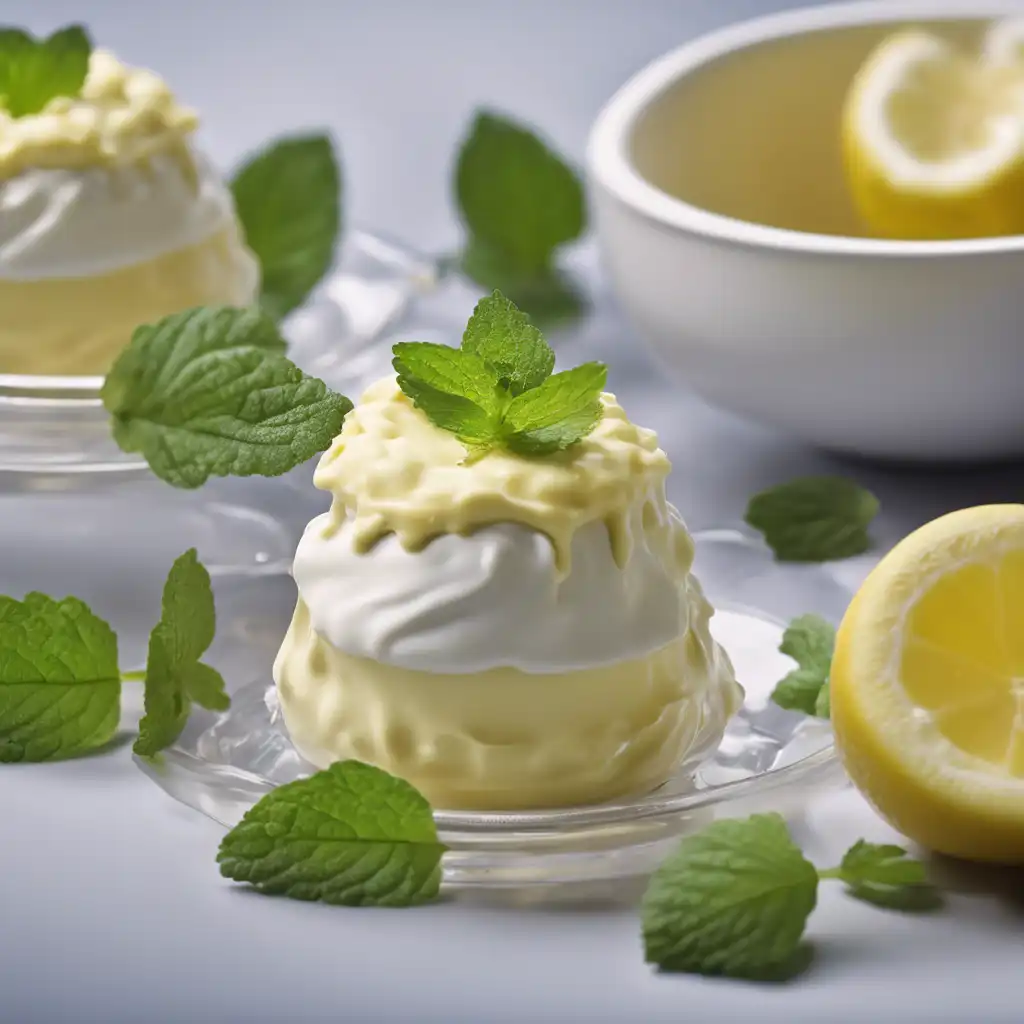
769, 758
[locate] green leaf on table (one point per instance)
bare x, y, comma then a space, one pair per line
551, 296
351, 834
288, 200
60, 687
209, 392
814, 518
35, 71
732, 900
175, 677
886, 876
520, 202
809, 640
496, 391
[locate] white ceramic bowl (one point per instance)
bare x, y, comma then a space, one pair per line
725, 225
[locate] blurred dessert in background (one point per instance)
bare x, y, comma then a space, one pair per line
109, 218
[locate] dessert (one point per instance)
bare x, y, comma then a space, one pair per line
109, 218
502, 631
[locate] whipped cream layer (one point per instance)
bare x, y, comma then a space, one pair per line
59, 223
494, 597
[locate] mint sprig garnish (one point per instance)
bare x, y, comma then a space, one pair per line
814, 518
497, 391
209, 392
520, 203
34, 71
810, 641
735, 898
60, 687
351, 834
288, 201
175, 677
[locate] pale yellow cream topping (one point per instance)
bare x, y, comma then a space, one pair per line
505, 739
123, 115
392, 471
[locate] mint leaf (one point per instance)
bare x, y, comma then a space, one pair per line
175, 677
551, 297
518, 199
503, 337
60, 688
454, 371
909, 899
823, 705
288, 201
496, 391
209, 392
809, 640
455, 390
351, 835
558, 413
799, 691
885, 876
35, 71
733, 899
814, 518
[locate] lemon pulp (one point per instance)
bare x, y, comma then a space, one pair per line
928, 685
933, 140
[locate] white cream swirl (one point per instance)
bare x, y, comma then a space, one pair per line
493, 598
82, 222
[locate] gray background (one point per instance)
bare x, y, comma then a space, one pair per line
111, 908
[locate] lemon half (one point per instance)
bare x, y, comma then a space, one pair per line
933, 138
927, 685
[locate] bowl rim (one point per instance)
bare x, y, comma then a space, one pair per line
610, 166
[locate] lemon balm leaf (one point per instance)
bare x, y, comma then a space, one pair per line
823, 705
550, 296
288, 200
814, 519
351, 835
518, 199
810, 641
60, 687
733, 900
502, 336
886, 876
799, 691
497, 391
450, 370
558, 413
35, 71
209, 392
175, 677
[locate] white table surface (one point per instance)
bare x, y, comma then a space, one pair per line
111, 907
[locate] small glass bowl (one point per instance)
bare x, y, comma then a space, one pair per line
768, 758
